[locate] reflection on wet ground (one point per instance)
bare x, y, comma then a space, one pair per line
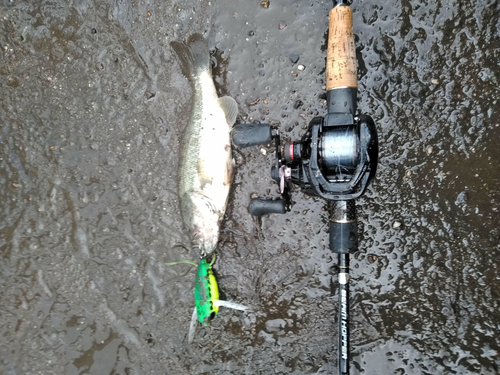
92, 105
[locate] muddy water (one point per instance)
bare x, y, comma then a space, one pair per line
91, 109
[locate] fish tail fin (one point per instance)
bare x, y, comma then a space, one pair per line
194, 55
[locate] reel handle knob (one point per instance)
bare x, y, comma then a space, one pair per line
259, 207
246, 135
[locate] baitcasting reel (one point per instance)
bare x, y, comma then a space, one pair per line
335, 159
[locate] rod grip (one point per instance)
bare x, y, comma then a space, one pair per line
341, 54
343, 227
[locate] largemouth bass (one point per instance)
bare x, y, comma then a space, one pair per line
206, 164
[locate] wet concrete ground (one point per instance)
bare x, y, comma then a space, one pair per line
92, 105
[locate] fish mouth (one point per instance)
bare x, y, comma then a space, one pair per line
205, 248
205, 239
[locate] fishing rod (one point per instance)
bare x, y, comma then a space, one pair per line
335, 159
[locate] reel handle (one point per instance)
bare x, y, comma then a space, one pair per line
246, 135
259, 206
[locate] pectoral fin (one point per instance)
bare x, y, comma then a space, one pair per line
208, 202
230, 108
203, 174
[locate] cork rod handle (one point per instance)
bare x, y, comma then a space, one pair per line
341, 54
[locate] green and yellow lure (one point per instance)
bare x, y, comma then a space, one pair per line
206, 291
206, 295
